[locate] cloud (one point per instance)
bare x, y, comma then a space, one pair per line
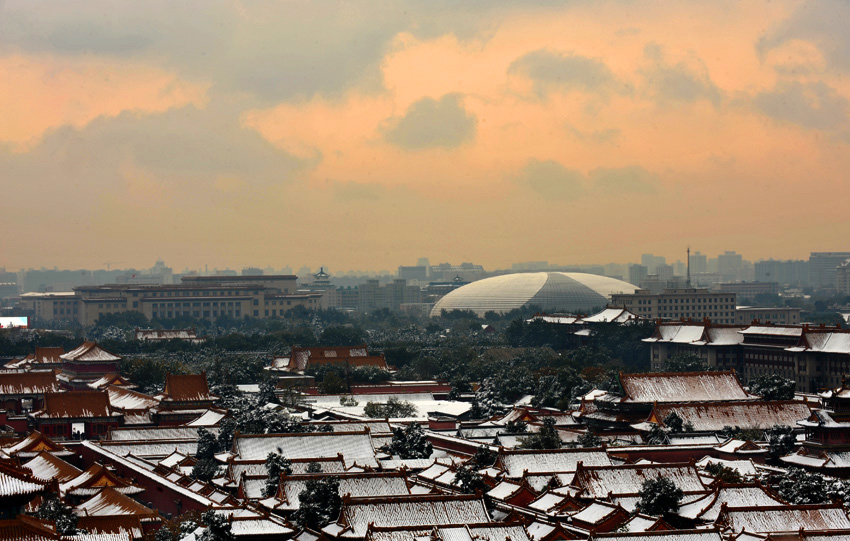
823, 23
678, 83
813, 105
551, 71
550, 179
356, 191
624, 180
431, 123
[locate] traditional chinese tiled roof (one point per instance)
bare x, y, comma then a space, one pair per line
301, 357
27, 528
116, 380
210, 418
359, 513
115, 525
356, 447
127, 400
707, 508
48, 467
109, 502
673, 535
95, 479
48, 355
75, 405
682, 387
28, 383
601, 481
187, 388
458, 532
516, 462
791, 518
15, 481
355, 485
90, 351
713, 416
33, 444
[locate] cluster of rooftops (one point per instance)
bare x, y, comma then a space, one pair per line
123, 461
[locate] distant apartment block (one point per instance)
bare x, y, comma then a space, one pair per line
410, 273
748, 290
791, 272
842, 278
781, 315
814, 357
200, 297
823, 267
683, 303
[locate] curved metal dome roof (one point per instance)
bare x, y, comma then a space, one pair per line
552, 291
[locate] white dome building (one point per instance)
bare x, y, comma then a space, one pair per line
570, 292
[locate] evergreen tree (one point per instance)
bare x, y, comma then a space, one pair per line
483, 458
723, 473
53, 509
320, 503
773, 387
410, 442
275, 466
468, 480
589, 439
546, 438
207, 445
217, 527
205, 470
659, 496
780, 441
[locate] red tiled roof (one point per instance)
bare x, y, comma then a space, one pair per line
26, 528
45, 355
28, 383
187, 388
682, 387
90, 351
15, 481
75, 404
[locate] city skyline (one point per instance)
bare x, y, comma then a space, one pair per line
364, 135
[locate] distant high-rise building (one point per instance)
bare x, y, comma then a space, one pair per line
791, 272
823, 267
842, 278
423, 262
637, 274
664, 271
699, 263
651, 262
418, 273
730, 266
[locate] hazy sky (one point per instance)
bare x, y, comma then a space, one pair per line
368, 134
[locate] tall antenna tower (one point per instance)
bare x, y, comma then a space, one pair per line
689, 266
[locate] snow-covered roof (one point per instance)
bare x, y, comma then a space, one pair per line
126, 399
109, 502
517, 462
596, 512
90, 351
150, 449
46, 466
713, 416
18, 481
355, 447
462, 532
356, 485
28, 383
672, 535
772, 330
682, 387
611, 315
504, 490
76, 405
602, 481
209, 418
786, 519
158, 433
359, 513
707, 508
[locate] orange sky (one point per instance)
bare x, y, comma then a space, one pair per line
366, 135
